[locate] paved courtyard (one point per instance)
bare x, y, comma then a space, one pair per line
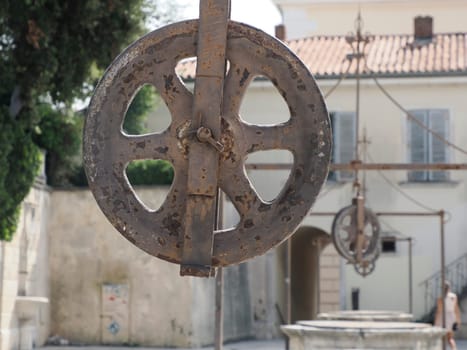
246, 345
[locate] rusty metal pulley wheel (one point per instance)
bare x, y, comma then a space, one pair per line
345, 234
108, 150
364, 268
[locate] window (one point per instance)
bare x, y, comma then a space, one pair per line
388, 245
343, 138
424, 147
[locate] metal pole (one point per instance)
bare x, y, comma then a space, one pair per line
395, 213
397, 166
219, 314
318, 278
357, 102
288, 287
410, 277
443, 272
406, 214
358, 165
288, 282
219, 330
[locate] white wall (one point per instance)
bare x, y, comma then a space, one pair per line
24, 271
165, 310
86, 252
386, 126
313, 17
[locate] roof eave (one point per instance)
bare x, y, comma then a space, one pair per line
394, 75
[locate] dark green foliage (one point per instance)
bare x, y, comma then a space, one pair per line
150, 172
57, 41
59, 132
144, 172
48, 49
19, 163
144, 101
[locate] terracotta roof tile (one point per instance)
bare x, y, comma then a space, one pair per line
386, 55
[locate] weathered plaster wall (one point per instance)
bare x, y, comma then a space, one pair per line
386, 126
313, 17
24, 271
164, 309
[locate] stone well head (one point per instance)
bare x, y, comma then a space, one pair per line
367, 316
308, 335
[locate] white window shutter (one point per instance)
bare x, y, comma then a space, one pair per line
418, 144
439, 123
344, 124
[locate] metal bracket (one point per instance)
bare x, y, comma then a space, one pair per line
203, 164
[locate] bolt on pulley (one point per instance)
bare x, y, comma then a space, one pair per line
207, 141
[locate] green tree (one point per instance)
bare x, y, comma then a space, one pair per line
47, 51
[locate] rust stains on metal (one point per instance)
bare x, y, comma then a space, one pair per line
162, 150
163, 233
248, 223
245, 76
169, 83
172, 224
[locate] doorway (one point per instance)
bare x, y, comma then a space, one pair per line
307, 244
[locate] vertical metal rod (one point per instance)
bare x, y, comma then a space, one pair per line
410, 277
360, 225
443, 272
318, 278
357, 107
219, 314
288, 287
219, 330
288, 282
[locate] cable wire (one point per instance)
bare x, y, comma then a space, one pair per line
324, 193
411, 116
342, 78
398, 189
407, 196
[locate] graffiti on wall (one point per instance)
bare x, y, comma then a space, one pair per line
115, 309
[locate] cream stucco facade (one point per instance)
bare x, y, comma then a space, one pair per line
101, 289
387, 129
24, 277
330, 17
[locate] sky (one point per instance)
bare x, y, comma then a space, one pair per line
262, 14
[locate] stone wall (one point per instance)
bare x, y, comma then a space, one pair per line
24, 273
105, 290
329, 280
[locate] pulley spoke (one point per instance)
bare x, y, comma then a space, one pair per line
150, 146
236, 84
263, 138
240, 191
176, 96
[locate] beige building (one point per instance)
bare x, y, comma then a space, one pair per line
100, 289
427, 76
422, 68
24, 275
306, 18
